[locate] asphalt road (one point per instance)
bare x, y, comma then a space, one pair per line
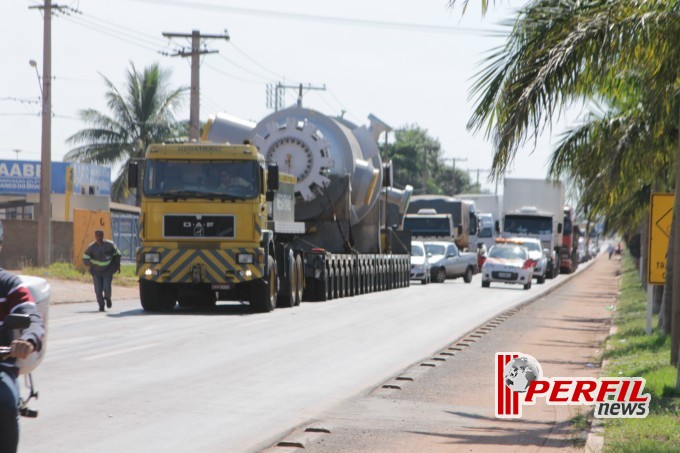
227, 380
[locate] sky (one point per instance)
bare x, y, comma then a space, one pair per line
407, 62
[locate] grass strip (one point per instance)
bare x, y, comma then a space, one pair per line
66, 271
631, 353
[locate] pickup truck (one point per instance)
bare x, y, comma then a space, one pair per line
448, 262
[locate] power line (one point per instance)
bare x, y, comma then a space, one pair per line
266, 79
407, 26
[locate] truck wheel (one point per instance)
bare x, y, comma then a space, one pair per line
440, 275
467, 278
263, 292
300, 280
290, 280
156, 296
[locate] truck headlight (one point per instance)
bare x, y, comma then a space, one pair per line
245, 258
152, 257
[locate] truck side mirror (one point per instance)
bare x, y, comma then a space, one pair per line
133, 175
272, 177
559, 228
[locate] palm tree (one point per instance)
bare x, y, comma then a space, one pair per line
560, 52
143, 115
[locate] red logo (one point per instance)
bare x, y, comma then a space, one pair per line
520, 382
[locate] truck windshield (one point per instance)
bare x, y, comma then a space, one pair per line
486, 231
201, 179
527, 224
428, 226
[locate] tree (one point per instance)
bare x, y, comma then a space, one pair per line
417, 160
143, 115
559, 52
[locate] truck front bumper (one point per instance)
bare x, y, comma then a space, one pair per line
215, 266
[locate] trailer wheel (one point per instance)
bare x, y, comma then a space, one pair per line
467, 277
263, 292
157, 297
300, 280
290, 282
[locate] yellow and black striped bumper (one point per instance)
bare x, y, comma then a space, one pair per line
199, 265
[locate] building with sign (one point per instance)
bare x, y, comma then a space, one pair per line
75, 185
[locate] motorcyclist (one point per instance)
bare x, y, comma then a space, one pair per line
15, 298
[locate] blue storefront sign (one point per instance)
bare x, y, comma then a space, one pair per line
22, 177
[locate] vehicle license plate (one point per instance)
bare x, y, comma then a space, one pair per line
504, 275
220, 286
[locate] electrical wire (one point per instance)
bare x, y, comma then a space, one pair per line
231, 76
407, 26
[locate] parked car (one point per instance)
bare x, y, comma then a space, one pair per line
448, 262
508, 263
420, 264
536, 253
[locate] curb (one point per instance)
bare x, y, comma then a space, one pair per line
295, 438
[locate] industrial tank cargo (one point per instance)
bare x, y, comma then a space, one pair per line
315, 197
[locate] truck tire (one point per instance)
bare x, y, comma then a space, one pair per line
467, 277
156, 296
300, 280
289, 283
263, 292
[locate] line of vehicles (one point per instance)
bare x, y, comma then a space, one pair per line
300, 206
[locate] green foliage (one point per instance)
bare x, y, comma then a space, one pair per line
632, 353
417, 160
140, 116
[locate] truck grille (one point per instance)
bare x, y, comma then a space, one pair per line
198, 226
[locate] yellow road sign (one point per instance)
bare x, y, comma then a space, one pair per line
660, 219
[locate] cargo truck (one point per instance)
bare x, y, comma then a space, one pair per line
534, 208
462, 212
297, 219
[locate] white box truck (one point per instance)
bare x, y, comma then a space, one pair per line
535, 208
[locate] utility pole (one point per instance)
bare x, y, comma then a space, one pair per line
279, 91
45, 215
194, 53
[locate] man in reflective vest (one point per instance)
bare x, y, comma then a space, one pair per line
102, 259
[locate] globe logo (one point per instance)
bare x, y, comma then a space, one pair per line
520, 372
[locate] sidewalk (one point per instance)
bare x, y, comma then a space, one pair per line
449, 406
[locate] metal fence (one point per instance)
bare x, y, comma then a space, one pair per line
125, 228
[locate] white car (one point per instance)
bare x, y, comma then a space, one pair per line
420, 264
508, 263
536, 253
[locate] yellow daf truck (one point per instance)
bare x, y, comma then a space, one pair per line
221, 222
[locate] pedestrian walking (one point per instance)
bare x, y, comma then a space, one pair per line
102, 259
610, 250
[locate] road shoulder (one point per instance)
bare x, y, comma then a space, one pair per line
447, 403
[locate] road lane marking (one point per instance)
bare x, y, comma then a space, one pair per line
122, 351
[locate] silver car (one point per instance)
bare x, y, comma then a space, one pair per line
420, 264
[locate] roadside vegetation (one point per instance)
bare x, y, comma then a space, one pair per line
631, 353
66, 271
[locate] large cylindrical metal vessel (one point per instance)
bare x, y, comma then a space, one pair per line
323, 153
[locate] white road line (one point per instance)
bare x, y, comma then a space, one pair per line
122, 351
